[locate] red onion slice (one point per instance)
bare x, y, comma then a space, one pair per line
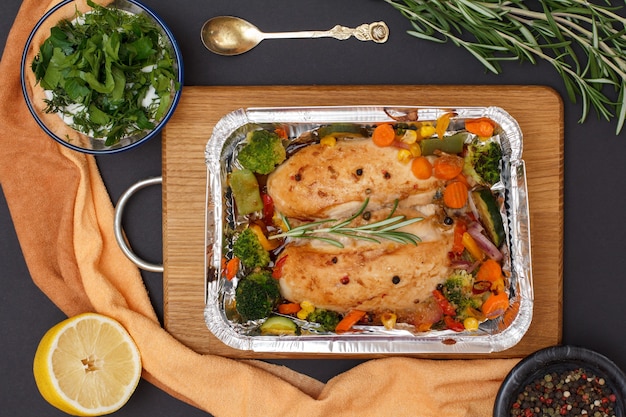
475, 230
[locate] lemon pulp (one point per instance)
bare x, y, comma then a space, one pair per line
87, 365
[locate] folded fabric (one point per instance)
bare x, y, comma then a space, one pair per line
63, 217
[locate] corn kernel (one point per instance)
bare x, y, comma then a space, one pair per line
389, 320
409, 137
306, 308
427, 131
470, 323
329, 141
404, 155
416, 150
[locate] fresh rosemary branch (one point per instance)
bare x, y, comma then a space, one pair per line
374, 232
584, 42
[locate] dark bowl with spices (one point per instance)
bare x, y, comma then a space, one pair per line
563, 381
101, 77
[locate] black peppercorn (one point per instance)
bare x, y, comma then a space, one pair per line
395, 279
448, 221
359, 172
367, 215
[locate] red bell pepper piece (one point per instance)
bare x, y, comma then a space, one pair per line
268, 206
444, 304
453, 324
277, 272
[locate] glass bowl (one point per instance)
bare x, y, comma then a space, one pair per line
556, 379
55, 125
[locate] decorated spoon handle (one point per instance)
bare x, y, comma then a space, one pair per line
377, 32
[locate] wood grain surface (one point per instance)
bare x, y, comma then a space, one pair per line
538, 110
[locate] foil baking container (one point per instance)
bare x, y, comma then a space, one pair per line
492, 336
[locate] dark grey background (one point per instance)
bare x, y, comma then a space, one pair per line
594, 280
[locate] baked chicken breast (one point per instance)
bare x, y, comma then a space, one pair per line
333, 181
370, 276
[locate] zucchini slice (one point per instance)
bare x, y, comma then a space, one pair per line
341, 130
278, 325
490, 217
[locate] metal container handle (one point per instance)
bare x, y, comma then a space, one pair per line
119, 235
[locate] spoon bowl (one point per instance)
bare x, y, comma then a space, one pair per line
230, 35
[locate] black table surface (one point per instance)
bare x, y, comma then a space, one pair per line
594, 282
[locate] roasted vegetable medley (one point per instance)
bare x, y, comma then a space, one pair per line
397, 225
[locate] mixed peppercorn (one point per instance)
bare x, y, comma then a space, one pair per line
574, 392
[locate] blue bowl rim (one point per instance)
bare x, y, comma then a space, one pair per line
157, 128
559, 357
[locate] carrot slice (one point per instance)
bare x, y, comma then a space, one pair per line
455, 195
421, 168
460, 228
462, 179
447, 167
282, 133
349, 320
232, 267
383, 135
495, 305
289, 308
482, 127
489, 270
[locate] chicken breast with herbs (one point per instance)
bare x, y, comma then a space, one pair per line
370, 276
333, 181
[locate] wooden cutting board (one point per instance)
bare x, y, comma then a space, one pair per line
538, 110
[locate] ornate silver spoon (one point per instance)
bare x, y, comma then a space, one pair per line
229, 35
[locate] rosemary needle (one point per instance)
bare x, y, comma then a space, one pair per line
386, 229
584, 42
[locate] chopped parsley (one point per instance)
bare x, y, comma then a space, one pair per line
108, 71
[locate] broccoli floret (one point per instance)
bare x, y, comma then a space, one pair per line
257, 295
327, 318
482, 162
458, 290
249, 250
263, 151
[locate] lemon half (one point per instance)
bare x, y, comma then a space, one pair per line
87, 365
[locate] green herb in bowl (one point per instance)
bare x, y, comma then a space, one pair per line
108, 73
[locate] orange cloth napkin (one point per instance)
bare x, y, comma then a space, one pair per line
64, 221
